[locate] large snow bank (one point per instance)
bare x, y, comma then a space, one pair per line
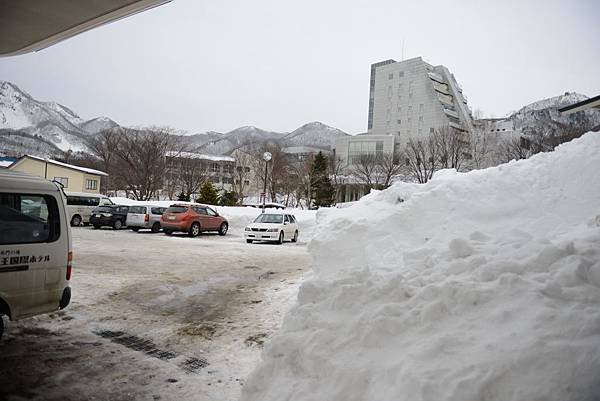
476, 286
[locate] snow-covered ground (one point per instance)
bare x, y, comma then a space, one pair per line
157, 317
476, 286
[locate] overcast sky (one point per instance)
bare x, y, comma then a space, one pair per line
217, 65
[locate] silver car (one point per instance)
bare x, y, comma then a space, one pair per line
147, 217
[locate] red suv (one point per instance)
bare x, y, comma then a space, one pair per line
192, 219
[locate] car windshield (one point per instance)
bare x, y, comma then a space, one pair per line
176, 209
269, 218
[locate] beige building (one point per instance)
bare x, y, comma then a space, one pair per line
73, 178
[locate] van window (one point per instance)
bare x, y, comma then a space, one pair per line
26, 219
137, 209
74, 200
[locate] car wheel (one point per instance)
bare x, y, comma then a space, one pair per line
223, 229
96, 226
156, 227
117, 225
248, 241
280, 241
168, 232
295, 239
76, 220
136, 229
194, 230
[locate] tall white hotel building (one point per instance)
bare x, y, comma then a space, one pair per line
412, 97
407, 99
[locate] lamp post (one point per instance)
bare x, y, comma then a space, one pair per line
266, 157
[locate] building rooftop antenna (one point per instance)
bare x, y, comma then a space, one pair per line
402, 49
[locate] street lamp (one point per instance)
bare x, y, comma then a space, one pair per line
267, 158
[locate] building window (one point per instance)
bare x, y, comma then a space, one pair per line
420, 131
391, 76
410, 95
409, 109
91, 184
421, 107
356, 150
214, 167
401, 74
409, 120
421, 119
63, 180
431, 130
399, 122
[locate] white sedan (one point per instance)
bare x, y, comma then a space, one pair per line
272, 226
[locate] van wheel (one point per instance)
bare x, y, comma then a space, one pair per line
156, 227
117, 225
223, 229
194, 230
295, 239
280, 241
76, 220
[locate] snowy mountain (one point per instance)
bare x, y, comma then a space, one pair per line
314, 134
238, 138
28, 125
59, 128
543, 116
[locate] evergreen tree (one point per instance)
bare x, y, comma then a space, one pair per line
183, 197
228, 198
208, 194
322, 191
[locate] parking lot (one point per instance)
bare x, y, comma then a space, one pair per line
155, 317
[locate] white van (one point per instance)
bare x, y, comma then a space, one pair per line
35, 247
80, 206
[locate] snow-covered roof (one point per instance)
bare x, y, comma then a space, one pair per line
201, 156
71, 166
5, 163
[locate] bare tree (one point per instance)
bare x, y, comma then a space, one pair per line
451, 147
512, 149
421, 158
479, 148
389, 167
366, 169
192, 173
104, 146
142, 156
242, 173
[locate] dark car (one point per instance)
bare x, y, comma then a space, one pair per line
110, 215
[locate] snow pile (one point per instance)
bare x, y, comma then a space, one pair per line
477, 286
